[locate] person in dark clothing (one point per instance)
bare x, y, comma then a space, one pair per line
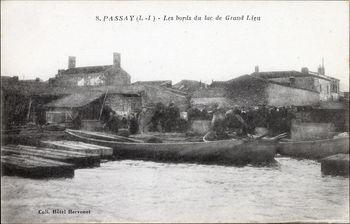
235, 122
288, 121
192, 113
250, 120
172, 117
218, 123
158, 117
41, 119
260, 117
205, 115
124, 122
77, 120
105, 115
113, 123
273, 121
133, 124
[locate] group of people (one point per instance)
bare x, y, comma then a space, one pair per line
243, 121
159, 118
113, 122
165, 118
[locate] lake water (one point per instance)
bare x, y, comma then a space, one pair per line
140, 191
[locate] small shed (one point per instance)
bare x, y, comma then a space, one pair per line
62, 110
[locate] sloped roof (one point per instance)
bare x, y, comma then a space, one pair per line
87, 69
189, 85
93, 70
75, 100
254, 81
155, 82
283, 74
44, 89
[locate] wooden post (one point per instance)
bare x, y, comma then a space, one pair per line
103, 103
29, 108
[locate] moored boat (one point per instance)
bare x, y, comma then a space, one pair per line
314, 149
224, 152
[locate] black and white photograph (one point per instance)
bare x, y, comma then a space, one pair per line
174, 111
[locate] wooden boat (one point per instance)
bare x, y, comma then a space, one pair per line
102, 136
225, 152
336, 165
315, 149
34, 167
79, 160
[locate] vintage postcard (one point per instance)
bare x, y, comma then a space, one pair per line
174, 111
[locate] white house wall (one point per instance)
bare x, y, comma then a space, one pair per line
279, 95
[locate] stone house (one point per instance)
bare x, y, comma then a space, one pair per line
326, 86
250, 91
103, 75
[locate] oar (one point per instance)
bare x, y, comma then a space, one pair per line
261, 136
278, 137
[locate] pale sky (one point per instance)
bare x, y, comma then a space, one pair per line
37, 38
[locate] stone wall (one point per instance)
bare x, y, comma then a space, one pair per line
152, 95
279, 95
123, 104
310, 131
200, 126
92, 76
299, 82
324, 89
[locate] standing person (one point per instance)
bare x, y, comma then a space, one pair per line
105, 115
218, 123
290, 116
113, 122
172, 117
235, 121
124, 122
133, 124
77, 120
158, 117
250, 116
145, 119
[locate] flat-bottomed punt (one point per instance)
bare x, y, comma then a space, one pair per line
336, 165
80, 160
315, 149
34, 167
225, 152
75, 146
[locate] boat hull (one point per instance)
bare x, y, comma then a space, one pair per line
314, 149
225, 152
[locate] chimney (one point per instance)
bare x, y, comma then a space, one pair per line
116, 60
256, 68
71, 62
305, 70
321, 70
